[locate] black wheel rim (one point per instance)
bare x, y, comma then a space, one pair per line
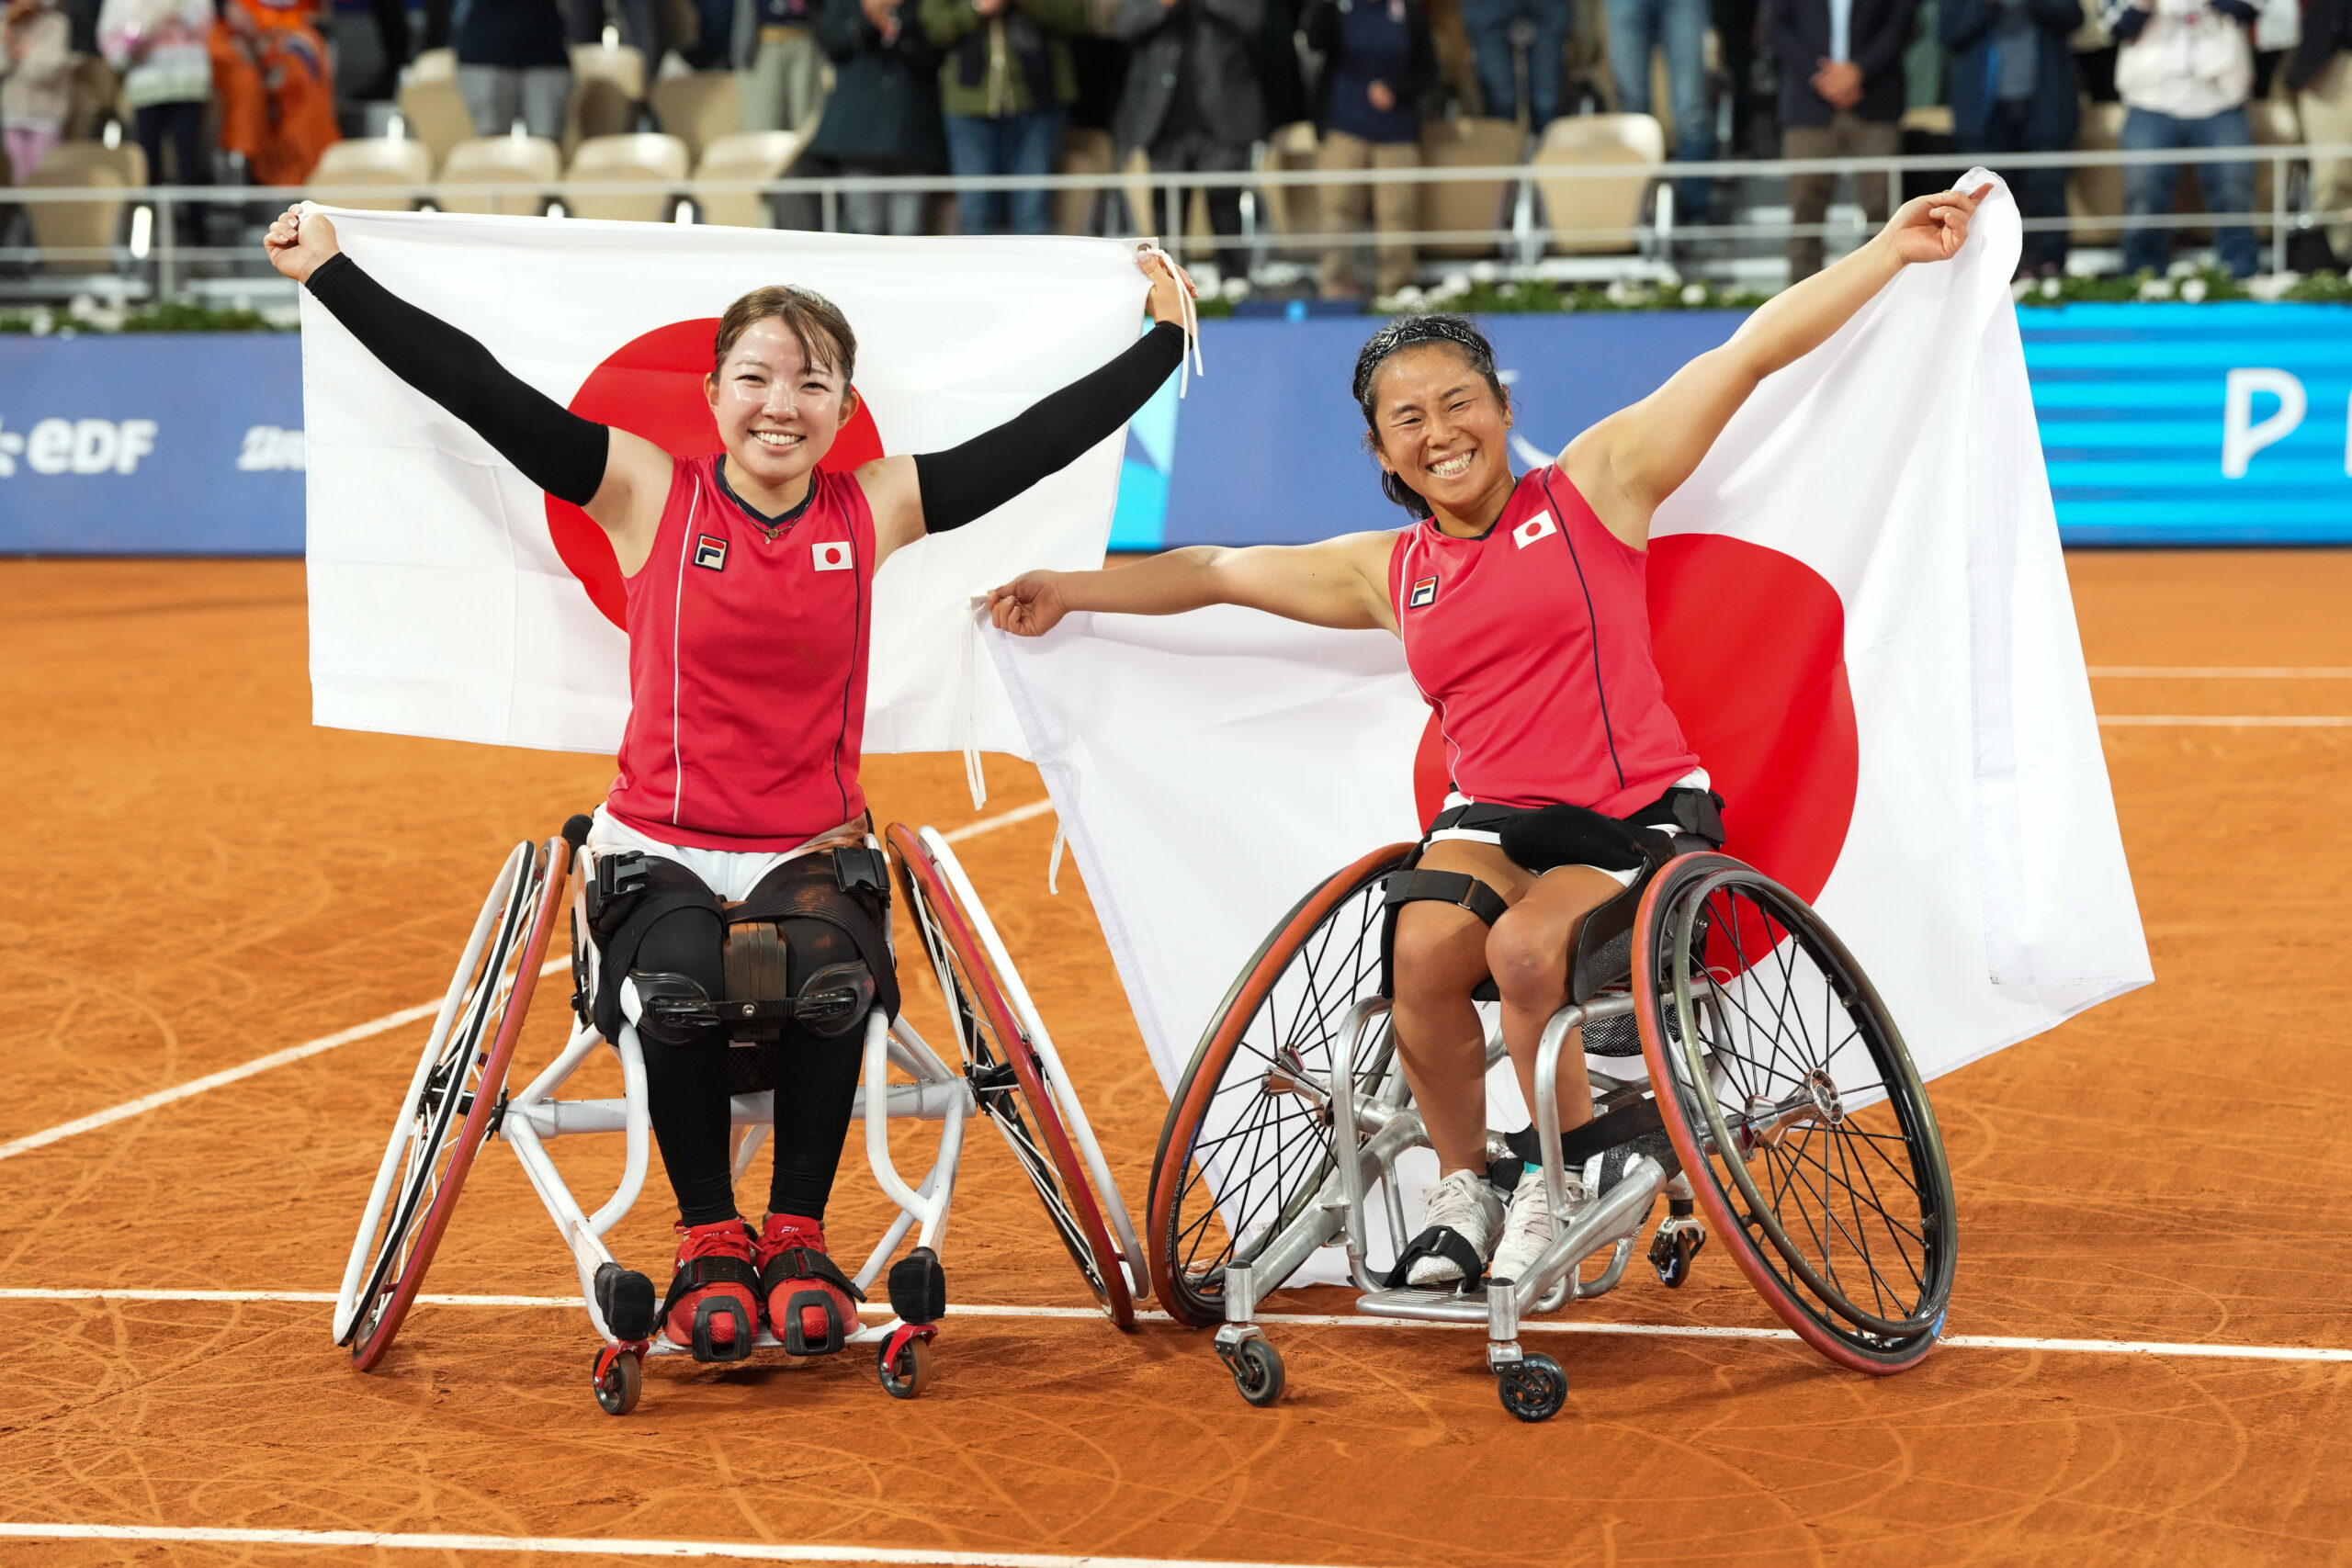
1848, 1204
1263, 1140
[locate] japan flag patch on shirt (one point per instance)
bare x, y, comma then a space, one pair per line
1536, 527
1424, 594
710, 551
832, 556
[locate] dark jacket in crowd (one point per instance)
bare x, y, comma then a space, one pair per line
1970, 28
885, 107
1280, 85
1012, 63
512, 34
1195, 66
1411, 83
2327, 27
1877, 33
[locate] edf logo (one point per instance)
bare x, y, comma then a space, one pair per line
77, 446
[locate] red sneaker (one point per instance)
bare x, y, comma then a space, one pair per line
713, 1306
812, 1305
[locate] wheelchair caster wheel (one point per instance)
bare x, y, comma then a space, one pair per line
903, 1374
1671, 1255
1256, 1372
619, 1379
1533, 1389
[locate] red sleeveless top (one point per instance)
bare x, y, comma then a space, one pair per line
747, 660
1533, 644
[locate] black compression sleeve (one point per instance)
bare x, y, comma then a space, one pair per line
985, 472
555, 448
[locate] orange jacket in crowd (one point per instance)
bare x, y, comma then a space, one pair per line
269, 67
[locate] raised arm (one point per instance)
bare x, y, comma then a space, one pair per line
1340, 583
621, 479
1633, 459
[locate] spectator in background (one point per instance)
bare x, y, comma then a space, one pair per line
1842, 96
1192, 102
514, 62
1489, 24
779, 70
1678, 27
1282, 86
276, 92
36, 82
2184, 69
163, 50
1006, 86
883, 118
2013, 90
2323, 83
1378, 60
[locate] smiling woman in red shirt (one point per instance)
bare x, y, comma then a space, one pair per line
749, 577
1520, 603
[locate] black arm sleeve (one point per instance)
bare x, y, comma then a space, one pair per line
555, 448
985, 472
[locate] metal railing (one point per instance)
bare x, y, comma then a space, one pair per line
148, 260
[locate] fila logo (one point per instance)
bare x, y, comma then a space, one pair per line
1536, 527
710, 551
833, 556
1424, 594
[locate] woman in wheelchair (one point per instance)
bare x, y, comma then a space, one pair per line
748, 577
1520, 605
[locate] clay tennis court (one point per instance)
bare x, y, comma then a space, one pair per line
197, 879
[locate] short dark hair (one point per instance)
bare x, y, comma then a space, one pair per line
814, 322
1411, 331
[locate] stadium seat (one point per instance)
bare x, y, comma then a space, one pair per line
96, 96
742, 155
374, 161
433, 65
432, 109
608, 90
649, 158
78, 236
501, 160
697, 108
1086, 150
1467, 204
1577, 206
2097, 194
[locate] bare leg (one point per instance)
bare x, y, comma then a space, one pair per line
1441, 957
1528, 952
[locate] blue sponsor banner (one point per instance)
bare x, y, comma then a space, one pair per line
2162, 425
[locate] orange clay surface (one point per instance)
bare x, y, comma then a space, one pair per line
195, 878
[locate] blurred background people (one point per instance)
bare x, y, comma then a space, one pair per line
1379, 59
515, 62
2184, 69
2013, 90
1842, 96
882, 115
1191, 104
36, 82
2323, 83
1680, 28
1005, 86
277, 90
779, 69
1495, 28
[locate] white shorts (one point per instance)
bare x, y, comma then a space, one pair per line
729, 874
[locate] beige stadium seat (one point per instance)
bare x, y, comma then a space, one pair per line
698, 108
742, 155
1086, 150
501, 160
435, 114
76, 236
607, 88
1467, 204
373, 160
1575, 205
433, 65
646, 158
2097, 194
96, 95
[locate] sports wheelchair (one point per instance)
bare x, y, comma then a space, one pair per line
1716, 1007
1008, 1072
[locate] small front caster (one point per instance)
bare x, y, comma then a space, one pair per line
903, 1362
1257, 1368
619, 1379
1533, 1388
1679, 1237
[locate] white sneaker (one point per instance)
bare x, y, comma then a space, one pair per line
1465, 1203
1529, 1228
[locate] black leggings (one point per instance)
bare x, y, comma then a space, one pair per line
686, 1085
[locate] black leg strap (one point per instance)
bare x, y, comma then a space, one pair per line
1598, 1135
696, 1273
1456, 887
1439, 1241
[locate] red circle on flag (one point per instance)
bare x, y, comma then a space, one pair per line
1751, 646
652, 386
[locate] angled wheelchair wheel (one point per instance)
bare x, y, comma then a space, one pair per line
1248, 1139
1012, 1081
1796, 1112
454, 1099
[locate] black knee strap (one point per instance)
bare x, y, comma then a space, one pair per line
1439, 1241
1458, 888
840, 888
1598, 1135
632, 891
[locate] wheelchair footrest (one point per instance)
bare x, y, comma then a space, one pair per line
1426, 1306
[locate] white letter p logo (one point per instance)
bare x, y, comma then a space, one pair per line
2240, 437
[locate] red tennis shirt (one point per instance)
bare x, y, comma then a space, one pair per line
1533, 644
747, 658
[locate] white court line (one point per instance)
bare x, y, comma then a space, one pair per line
2187, 1348
162, 1097
2234, 720
573, 1546
2224, 673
